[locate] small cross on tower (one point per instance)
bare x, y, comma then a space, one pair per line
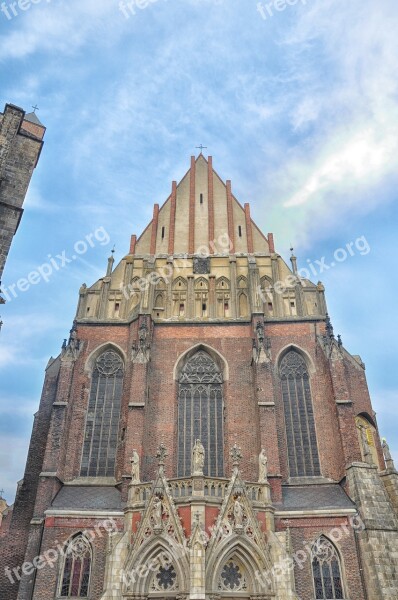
35, 108
201, 148
1, 494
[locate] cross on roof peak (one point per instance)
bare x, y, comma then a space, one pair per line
201, 148
35, 108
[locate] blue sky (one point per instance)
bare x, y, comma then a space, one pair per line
298, 109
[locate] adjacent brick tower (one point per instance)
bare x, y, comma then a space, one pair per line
21, 140
202, 434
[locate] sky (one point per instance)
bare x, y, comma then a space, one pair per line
297, 104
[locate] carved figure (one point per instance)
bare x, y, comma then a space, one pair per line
262, 467
365, 446
157, 512
238, 513
135, 467
198, 457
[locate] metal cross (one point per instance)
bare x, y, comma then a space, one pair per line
1, 493
35, 108
201, 148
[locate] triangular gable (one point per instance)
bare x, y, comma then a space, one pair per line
212, 218
228, 524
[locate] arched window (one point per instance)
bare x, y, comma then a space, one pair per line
102, 421
299, 416
179, 297
223, 294
326, 571
200, 414
75, 580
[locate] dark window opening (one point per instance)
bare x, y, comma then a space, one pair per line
200, 415
201, 198
240, 231
301, 438
102, 418
163, 231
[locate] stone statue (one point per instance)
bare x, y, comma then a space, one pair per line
198, 458
365, 446
73, 341
262, 467
238, 513
387, 454
135, 467
157, 511
386, 450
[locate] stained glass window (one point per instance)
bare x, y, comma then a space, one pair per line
232, 578
102, 420
76, 569
200, 414
326, 571
299, 417
165, 579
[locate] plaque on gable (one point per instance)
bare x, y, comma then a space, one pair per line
201, 266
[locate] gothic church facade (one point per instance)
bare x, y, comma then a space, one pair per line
203, 434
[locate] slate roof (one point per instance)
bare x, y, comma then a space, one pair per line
33, 118
87, 498
315, 497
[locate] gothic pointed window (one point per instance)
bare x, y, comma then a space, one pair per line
326, 571
103, 414
75, 579
299, 417
200, 414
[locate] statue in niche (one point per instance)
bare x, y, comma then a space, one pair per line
157, 511
260, 334
135, 467
262, 467
365, 446
198, 458
238, 513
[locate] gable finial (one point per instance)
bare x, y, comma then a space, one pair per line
201, 148
161, 454
236, 455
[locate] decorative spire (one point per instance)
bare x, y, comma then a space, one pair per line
339, 341
329, 327
111, 260
293, 260
161, 454
236, 455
